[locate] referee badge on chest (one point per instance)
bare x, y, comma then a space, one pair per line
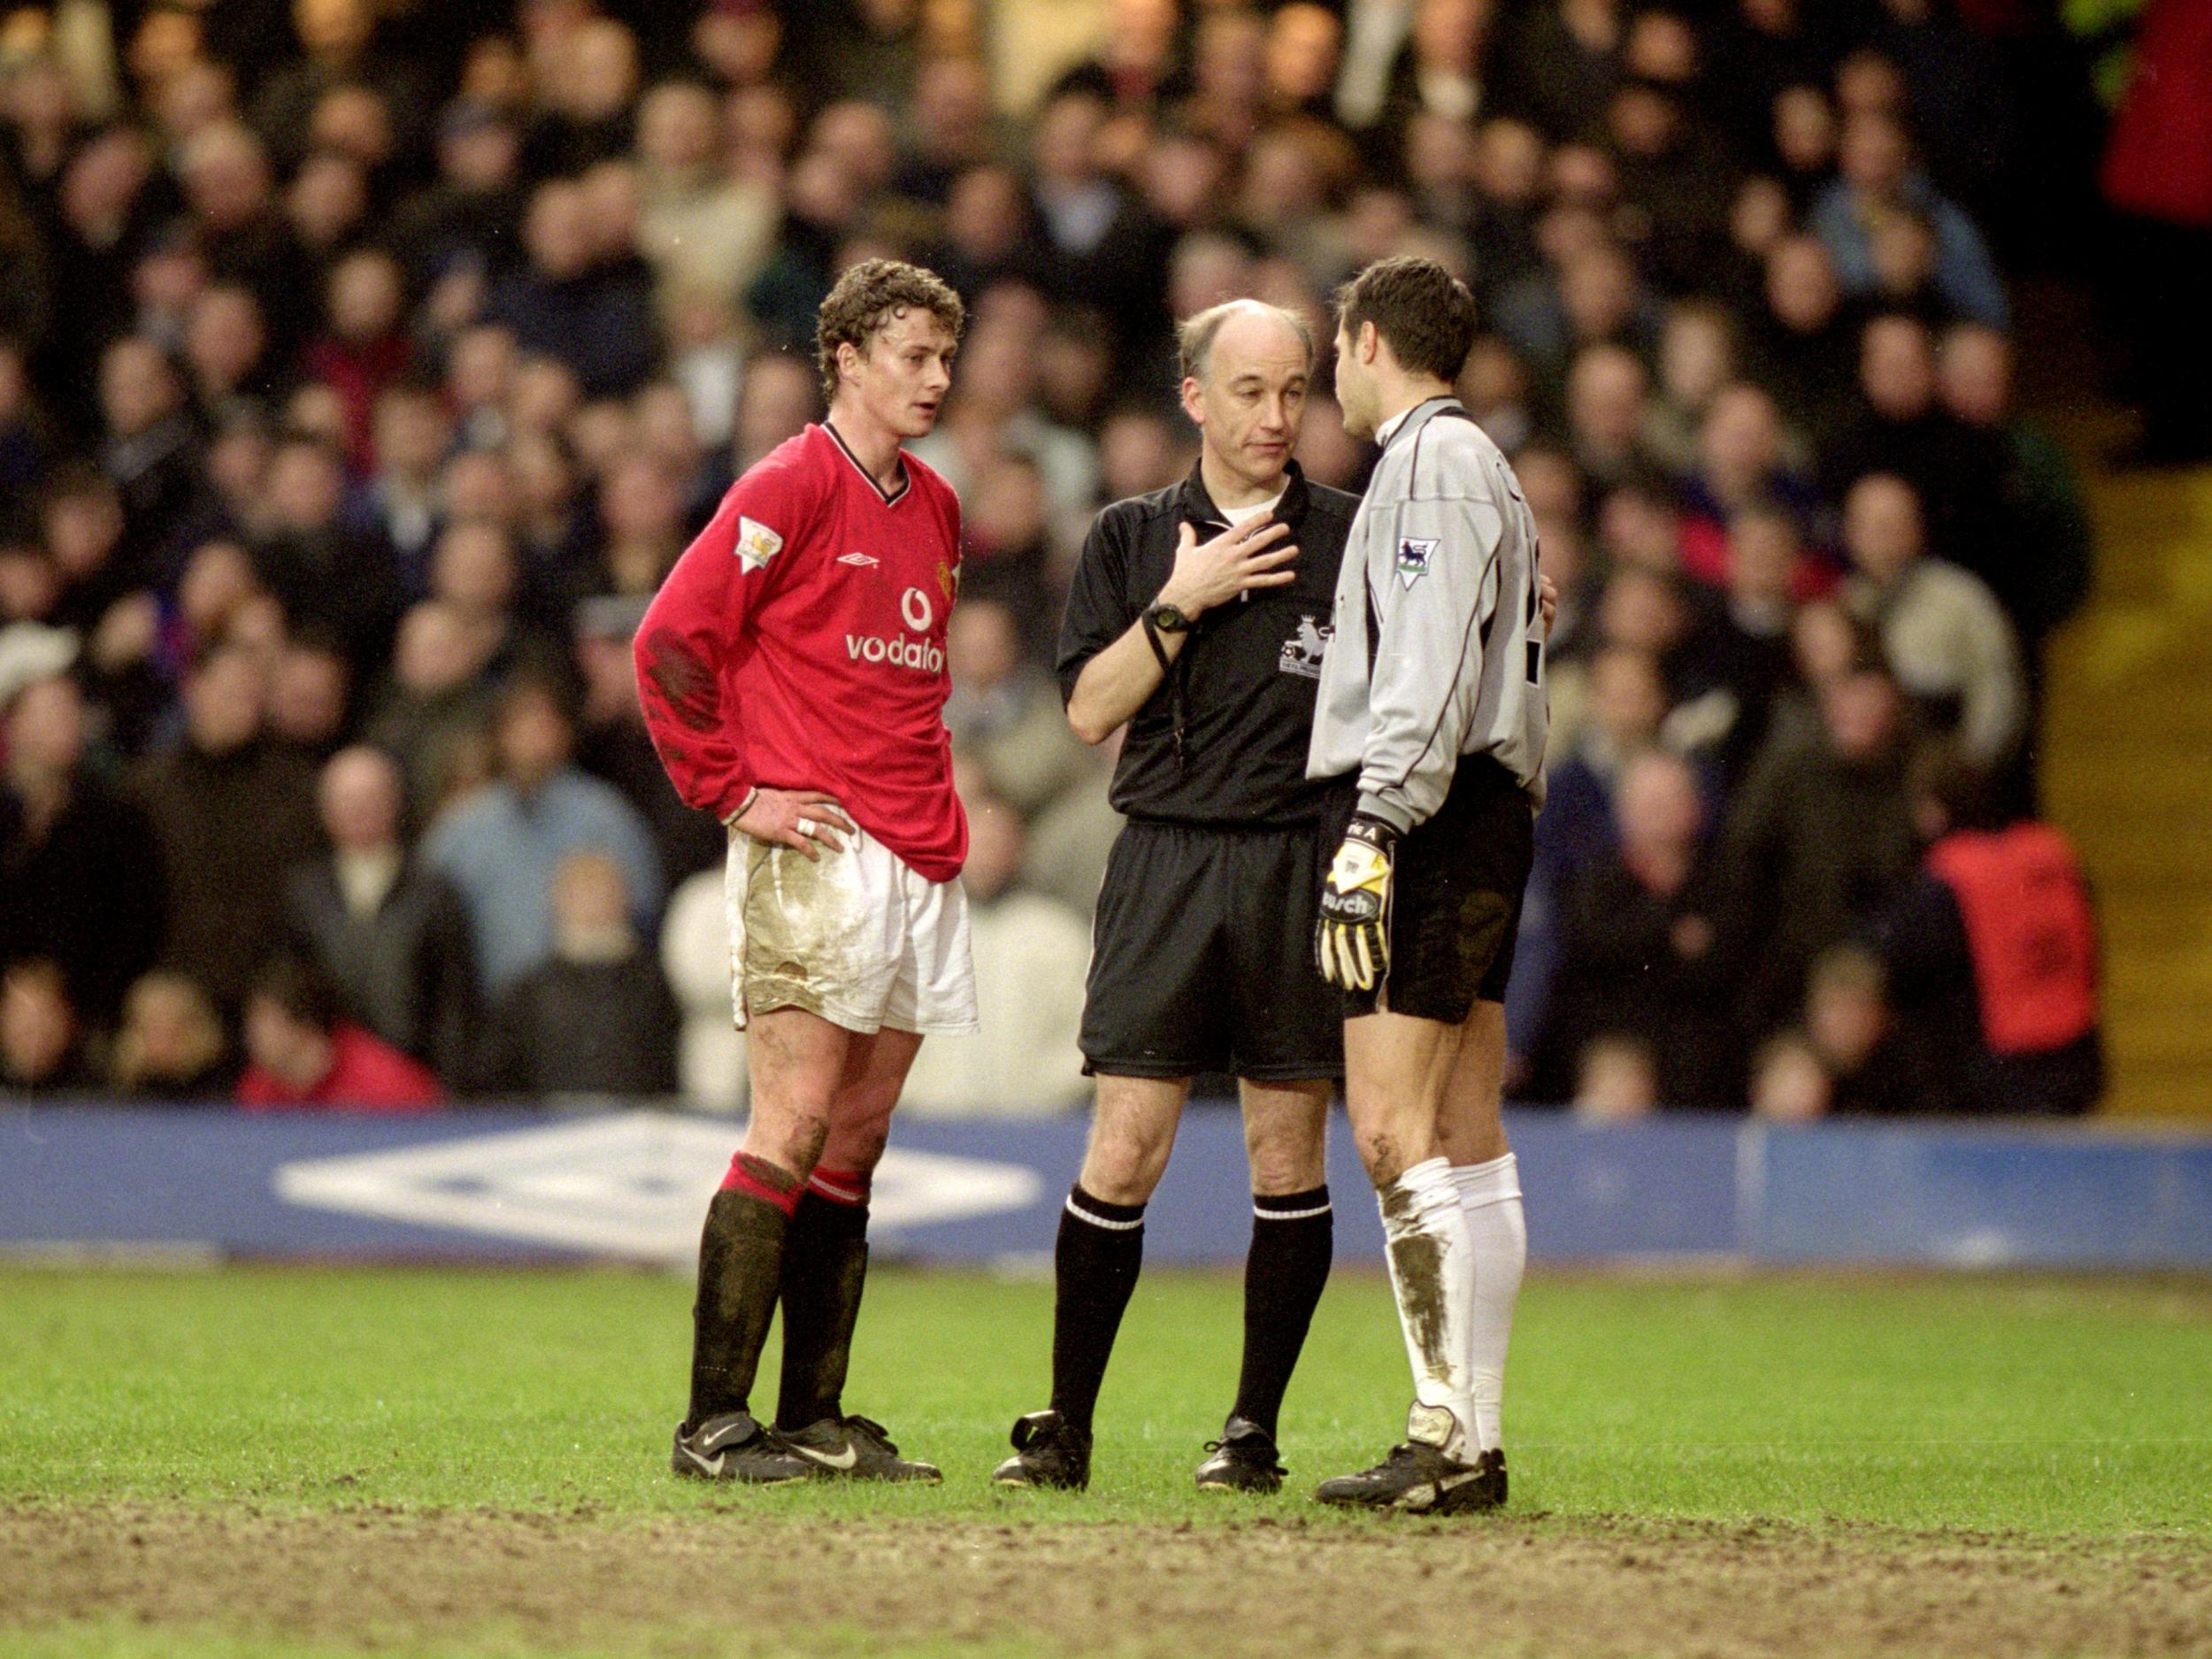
1414, 554
1303, 650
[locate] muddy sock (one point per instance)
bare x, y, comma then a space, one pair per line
1292, 1237
1094, 1266
1431, 1271
825, 1267
1490, 1198
740, 1264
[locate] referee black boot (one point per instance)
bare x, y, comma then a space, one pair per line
1049, 1451
1244, 1460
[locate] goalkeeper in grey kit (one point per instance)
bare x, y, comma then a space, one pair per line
1432, 710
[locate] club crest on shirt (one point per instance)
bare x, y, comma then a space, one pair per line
948, 579
757, 544
1303, 650
1413, 558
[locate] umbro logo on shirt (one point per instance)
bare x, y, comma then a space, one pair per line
860, 558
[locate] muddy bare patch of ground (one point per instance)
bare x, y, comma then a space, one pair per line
739, 1582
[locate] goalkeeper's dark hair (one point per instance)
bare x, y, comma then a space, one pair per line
1425, 313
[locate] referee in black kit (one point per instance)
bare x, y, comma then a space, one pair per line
1198, 615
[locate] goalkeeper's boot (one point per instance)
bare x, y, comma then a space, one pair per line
1049, 1451
1423, 1480
854, 1449
1244, 1460
734, 1447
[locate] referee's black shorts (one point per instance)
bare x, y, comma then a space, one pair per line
1455, 897
1201, 958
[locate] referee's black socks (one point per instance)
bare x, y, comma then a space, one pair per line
1094, 1268
1293, 1235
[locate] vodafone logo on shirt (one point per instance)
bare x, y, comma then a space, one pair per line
905, 651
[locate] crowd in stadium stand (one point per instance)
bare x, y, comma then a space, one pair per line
363, 367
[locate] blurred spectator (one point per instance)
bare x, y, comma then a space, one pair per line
502, 846
1789, 1083
1878, 181
436, 706
320, 568
1616, 1081
79, 882
311, 692
597, 1018
594, 316
1870, 1064
2037, 555
150, 453
170, 1046
392, 936
1994, 950
711, 1056
1647, 947
365, 347
41, 1048
1627, 700
612, 742
232, 809
1944, 636
2157, 180
302, 1051
1006, 712
1030, 956
1783, 850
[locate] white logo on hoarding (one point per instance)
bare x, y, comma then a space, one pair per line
630, 1184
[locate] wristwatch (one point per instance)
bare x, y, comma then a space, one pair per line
1167, 618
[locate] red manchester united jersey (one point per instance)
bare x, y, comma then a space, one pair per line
800, 643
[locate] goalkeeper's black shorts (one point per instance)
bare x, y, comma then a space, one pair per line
1455, 898
1201, 956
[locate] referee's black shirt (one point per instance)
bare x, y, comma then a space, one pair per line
1246, 677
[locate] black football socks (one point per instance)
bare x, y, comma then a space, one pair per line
824, 1268
740, 1267
1293, 1239
1095, 1264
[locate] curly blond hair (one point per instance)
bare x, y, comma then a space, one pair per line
867, 298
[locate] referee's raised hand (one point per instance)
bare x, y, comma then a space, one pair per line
1241, 557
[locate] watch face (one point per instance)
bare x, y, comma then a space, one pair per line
1169, 618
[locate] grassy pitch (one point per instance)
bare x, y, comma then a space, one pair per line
256, 1464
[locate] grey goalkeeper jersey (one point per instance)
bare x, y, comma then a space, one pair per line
1439, 642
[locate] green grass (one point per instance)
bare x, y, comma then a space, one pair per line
2039, 1406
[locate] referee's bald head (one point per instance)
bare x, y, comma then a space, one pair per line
1194, 338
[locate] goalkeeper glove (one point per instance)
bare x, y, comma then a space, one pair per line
1352, 939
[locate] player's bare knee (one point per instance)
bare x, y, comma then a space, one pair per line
1285, 1158
1125, 1161
1384, 1156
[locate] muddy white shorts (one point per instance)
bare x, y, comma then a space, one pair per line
857, 937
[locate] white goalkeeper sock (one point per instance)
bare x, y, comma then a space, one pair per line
1432, 1270
1490, 1199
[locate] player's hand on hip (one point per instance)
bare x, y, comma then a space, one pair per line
806, 819
1352, 939
1241, 557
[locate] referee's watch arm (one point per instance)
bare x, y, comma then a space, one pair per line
1117, 681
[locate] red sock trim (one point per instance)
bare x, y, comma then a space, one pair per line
756, 1178
840, 1186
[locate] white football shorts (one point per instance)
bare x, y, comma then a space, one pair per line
857, 937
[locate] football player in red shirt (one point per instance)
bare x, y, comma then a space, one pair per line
793, 673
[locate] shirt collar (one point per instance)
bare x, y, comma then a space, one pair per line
1198, 506
1397, 422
